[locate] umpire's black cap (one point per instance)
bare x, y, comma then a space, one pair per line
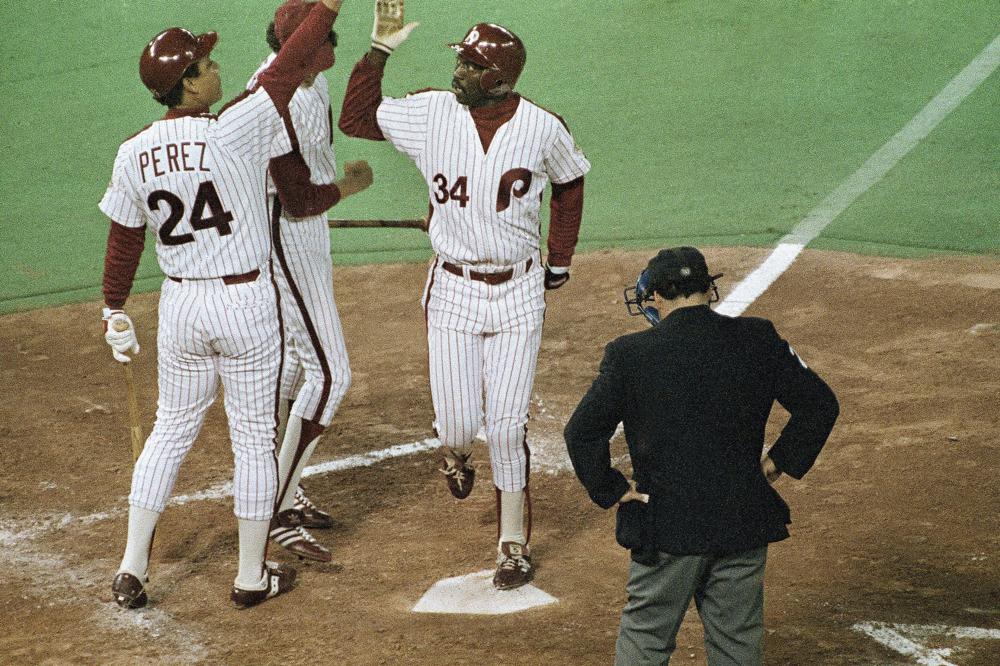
679, 269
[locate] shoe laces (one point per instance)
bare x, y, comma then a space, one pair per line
306, 536
455, 471
302, 501
512, 562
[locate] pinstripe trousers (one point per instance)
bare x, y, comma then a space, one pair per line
483, 345
210, 331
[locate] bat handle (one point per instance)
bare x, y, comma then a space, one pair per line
135, 430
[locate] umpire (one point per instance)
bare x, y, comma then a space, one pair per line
694, 393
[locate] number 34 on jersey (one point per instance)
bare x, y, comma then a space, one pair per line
514, 183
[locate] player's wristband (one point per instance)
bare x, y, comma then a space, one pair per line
379, 46
558, 270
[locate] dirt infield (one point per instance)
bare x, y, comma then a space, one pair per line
899, 522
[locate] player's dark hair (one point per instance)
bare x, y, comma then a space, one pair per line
272, 39
672, 290
174, 97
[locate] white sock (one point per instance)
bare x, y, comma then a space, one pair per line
512, 516
253, 542
141, 524
289, 444
289, 499
284, 407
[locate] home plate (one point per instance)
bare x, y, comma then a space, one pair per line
474, 594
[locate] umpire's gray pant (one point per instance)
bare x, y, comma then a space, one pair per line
729, 592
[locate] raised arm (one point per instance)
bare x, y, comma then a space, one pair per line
292, 64
364, 88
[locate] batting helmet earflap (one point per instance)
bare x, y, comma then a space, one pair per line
169, 54
496, 48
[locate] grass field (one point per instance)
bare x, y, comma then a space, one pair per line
710, 122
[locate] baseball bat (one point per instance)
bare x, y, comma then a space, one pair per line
377, 224
133, 405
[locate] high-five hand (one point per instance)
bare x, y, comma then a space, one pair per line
389, 31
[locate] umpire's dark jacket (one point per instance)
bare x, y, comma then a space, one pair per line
694, 393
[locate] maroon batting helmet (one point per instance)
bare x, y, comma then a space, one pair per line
496, 48
165, 59
287, 18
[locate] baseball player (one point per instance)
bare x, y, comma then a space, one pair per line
197, 181
486, 154
315, 375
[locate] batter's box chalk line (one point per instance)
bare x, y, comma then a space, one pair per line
909, 639
474, 594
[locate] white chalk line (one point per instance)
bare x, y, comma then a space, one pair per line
903, 638
871, 172
56, 581
82, 582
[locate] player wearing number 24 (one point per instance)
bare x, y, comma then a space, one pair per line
486, 154
197, 181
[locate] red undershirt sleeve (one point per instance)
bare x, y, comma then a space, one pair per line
566, 212
121, 259
361, 100
299, 196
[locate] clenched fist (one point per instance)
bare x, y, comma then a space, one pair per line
358, 176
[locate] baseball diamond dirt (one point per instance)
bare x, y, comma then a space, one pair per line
897, 524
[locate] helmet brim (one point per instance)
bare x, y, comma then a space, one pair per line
206, 42
472, 55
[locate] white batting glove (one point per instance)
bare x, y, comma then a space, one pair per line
389, 31
119, 333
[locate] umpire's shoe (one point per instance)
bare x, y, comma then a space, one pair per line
312, 517
280, 579
513, 566
297, 540
459, 475
128, 591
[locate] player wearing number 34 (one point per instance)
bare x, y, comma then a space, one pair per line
486, 154
197, 181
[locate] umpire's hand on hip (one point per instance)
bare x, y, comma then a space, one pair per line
119, 333
633, 495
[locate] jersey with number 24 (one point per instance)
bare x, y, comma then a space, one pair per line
199, 183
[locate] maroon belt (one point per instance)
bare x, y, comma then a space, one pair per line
488, 278
229, 279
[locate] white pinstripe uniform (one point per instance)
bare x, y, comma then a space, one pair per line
483, 339
198, 183
316, 373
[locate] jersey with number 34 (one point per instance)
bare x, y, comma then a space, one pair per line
199, 183
485, 204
